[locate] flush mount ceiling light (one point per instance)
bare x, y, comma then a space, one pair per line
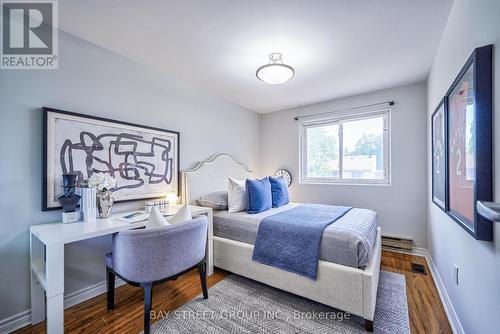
275, 72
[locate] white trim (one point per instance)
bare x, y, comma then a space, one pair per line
23, 319
77, 297
15, 322
452, 316
453, 319
421, 252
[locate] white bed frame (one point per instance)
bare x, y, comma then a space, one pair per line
346, 288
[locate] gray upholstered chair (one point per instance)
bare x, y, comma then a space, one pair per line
144, 257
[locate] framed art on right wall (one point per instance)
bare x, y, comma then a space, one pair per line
469, 143
438, 123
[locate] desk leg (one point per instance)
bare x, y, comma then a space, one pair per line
55, 287
37, 251
210, 244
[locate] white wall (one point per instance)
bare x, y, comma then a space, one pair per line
97, 82
472, 23
402, 205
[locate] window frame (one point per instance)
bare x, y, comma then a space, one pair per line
340, 120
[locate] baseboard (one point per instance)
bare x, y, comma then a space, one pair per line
452, 316
15, 322
23, 319
421, 252
77, 297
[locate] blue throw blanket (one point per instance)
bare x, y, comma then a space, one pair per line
290, 240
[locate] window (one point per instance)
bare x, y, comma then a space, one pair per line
351, 149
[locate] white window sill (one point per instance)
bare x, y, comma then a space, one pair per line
347, 183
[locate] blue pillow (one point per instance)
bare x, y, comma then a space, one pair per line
279, 191
259, 195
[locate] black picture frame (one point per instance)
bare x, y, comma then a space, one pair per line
45, 170
440, 196
481, 134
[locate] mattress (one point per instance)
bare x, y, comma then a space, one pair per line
348, 241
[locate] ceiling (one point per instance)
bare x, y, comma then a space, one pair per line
337, 47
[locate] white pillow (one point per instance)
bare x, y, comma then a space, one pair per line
237, 197
156, 219
182, 216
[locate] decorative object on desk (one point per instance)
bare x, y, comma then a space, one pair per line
285, 175
148, 206
438, 122
69, 200
160, 205
103, 183
134, 217
88, 205
172, 198
145, 160
469, 103
105, 200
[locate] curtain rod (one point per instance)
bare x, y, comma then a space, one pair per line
390, 103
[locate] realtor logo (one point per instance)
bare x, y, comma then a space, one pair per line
29, 35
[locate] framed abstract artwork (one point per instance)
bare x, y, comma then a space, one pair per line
143, 159
469, 143
439, 170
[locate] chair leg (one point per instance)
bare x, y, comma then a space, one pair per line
369, 325
110, 287
203, 279
148, 300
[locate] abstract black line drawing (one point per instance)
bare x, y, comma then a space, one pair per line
144, 160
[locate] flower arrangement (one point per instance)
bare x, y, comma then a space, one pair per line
102, 182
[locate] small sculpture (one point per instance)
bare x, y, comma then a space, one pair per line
69, 200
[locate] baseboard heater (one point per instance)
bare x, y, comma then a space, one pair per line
397, 243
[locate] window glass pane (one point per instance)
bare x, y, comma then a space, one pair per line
323, 151
363, 142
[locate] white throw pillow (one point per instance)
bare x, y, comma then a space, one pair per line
183, 215
156, 219
237, 197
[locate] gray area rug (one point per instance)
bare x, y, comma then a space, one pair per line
240, 305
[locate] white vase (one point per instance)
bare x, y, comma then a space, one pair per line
105, 201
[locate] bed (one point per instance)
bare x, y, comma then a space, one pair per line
349, 265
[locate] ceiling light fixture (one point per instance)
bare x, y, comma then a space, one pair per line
275, 72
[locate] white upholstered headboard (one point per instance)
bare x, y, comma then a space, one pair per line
211, 175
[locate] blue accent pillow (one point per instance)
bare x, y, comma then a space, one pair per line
279, 191
259, 195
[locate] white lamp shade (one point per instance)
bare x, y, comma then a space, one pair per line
275, 74
172, 198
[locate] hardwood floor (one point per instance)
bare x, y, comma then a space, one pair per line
427, 314
426, 311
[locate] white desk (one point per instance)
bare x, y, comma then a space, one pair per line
47, 260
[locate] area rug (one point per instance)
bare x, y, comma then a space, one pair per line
241, 305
